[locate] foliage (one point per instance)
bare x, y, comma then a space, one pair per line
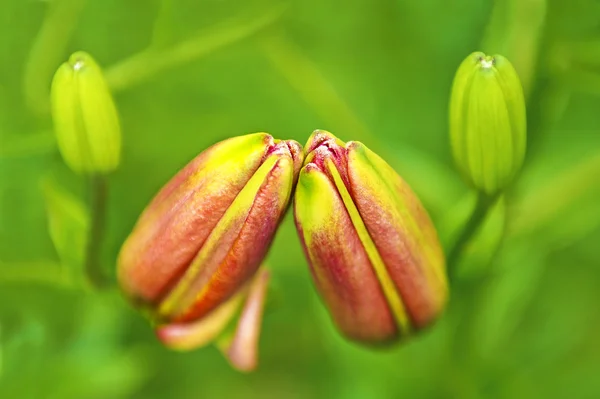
186, 74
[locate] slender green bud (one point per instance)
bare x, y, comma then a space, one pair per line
487, 122
85, 118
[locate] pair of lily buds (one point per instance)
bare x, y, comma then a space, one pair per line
193, 260
198, 247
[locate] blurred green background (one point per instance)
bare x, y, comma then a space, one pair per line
524, 316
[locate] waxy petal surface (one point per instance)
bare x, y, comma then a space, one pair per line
372, 248
237, 245
178, 221
339, 263
402, 232
242, 349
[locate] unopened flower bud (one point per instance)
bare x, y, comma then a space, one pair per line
85, 118
487, 122
373, 251
207, 231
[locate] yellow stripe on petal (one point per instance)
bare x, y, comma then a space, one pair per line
383, 180
389, 290
188, 336
192, 286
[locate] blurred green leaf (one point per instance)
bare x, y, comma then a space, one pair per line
513, 283
48, 50
23, 356
1, 353
26, 145
561, 207
117, 372
68, 223
45, 272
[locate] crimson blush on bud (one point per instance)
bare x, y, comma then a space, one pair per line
373, 251
207, 231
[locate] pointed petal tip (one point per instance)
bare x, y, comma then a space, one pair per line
288, 148
355, 146
242, 350
318, 137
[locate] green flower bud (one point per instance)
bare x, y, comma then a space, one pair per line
85, 118
487, 122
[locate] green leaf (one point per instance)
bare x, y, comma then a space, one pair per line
68, 222
511, 289
27, 145
23, 354
560, 210
45, 272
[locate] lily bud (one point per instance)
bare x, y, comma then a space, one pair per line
207, 231
373, 251
85, 118
487, 122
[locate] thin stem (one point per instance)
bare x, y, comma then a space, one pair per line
99, 191
148, 63
484, 202
515, 30
162, 34
38, 272
47, 52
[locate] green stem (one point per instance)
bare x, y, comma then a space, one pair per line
484, 203
515, 30
162, 34
35, 272
93, 268
146, 64
48, 51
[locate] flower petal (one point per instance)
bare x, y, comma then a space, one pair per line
180, 218
242, 350
340, 265
238, 243
403, 234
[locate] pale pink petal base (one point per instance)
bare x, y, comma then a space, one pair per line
193, 335
242, 349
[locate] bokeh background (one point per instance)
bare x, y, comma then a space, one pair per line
524, 316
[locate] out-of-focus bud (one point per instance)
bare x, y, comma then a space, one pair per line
487, 122
373, 251
207, 231
85, 118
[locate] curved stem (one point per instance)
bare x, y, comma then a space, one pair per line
48, 51
484, 203
146, 64
161, 33
93, 269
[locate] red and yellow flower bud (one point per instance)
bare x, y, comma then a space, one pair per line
372, 248
207, 231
